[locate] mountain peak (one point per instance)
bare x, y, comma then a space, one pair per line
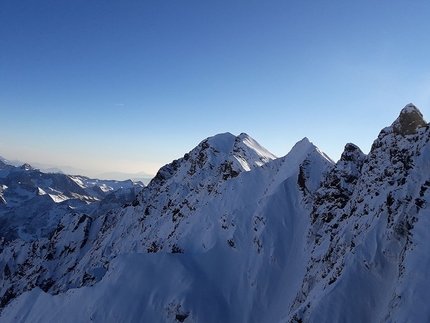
221, 142
27, 167
352, 153
409, 120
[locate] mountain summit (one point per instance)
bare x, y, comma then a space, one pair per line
409, 120
230, 233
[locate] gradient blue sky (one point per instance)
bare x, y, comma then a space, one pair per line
131, 85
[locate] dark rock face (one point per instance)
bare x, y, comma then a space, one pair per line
338, 185
352, 153
409, 120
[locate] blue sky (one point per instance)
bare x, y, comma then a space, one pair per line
131, 85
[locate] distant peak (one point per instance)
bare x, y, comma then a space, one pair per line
27, 167
409, 120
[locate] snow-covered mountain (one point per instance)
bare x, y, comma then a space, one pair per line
115, 176
231, 233
33, 202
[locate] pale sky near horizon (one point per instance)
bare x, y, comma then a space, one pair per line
129, 86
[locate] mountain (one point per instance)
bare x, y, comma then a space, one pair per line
143, 177
44, 167
117, 176
231, 233
32, 202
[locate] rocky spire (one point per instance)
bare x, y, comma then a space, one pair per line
409, 120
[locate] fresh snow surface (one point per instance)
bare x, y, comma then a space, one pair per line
230, 233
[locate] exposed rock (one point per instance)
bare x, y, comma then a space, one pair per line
409, 120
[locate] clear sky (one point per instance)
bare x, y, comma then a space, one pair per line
131, 85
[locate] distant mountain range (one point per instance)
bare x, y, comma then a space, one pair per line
141, 176
229, 233
32, 202
119, 176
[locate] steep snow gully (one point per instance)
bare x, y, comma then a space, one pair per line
231, 233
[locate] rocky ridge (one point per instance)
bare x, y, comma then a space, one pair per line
231, 233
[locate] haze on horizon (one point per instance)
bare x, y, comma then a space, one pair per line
129, 87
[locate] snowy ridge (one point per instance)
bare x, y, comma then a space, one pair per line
187, 222
365, 216
230, 233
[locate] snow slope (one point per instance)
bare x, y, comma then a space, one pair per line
230, 233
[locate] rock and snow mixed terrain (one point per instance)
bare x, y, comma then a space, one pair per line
32, 202
230, 233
